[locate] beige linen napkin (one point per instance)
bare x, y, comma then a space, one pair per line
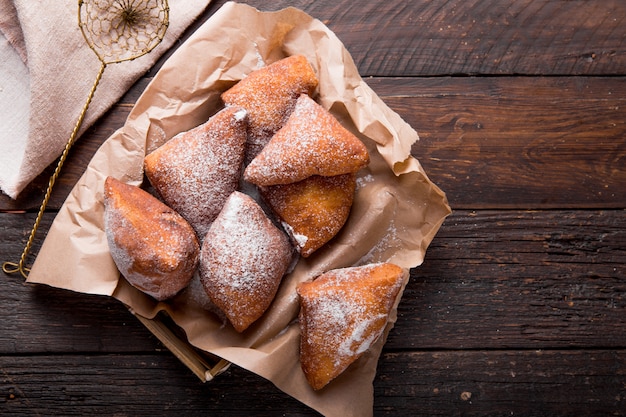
46, 72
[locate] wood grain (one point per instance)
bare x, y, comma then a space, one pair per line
519, 279
527, 37
518, 142
503, 383
558, 283
475, 37
488, 142
519, 306
468, 383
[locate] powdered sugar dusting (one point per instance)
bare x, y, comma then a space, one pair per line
343, 313
389, 241
240, 115
197, 170
243, 259
348, 326
269, 94
361, 337
312, 142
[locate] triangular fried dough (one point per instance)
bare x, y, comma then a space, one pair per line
312, 210
342, 313
312, 142
242, 260
196, 171
269, 95
152, 245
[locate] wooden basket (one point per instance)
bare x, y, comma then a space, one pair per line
203, 364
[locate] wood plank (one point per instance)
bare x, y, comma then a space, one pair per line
499, 383
518, 142
491, 383
494, 142
451, 37
137, 385
513, 312
446, 37
519, 279
524, 24
491, 280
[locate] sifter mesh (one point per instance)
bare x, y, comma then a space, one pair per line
117, 31
122, 30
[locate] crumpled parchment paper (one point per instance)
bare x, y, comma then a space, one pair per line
396, 213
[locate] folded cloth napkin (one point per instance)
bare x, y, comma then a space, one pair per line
46, 72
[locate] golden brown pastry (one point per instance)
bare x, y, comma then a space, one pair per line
312, 210
269, 94
312, 142
342, 313
196, 171
242, 261
154, 248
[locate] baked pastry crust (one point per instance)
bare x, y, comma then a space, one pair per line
154, 248
243, 259
196, 171
312, 210
312, 142
269, 95
343, 312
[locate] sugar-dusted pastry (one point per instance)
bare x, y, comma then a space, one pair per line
269, 95
242, 261
312, 210
154, 248
196, 171
342, 313
312, 142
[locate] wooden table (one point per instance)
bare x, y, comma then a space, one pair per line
520, 306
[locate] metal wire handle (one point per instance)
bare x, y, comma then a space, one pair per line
116, 31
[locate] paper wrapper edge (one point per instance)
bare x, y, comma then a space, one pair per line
396, 213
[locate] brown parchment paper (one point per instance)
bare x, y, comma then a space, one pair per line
396, 212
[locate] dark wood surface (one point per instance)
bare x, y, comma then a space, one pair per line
520, 306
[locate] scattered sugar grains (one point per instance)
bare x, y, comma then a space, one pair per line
242, 261
364, 180
339, 309
260, 62
390, 239
342, 314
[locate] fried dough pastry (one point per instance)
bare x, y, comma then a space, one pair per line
312, 142
242, 261
196, 171
342, 313
154, 248
312, 210
269, 95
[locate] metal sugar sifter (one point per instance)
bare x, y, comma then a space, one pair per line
116, 31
